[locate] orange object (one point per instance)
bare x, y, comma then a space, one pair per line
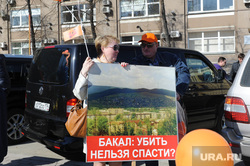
149, 37
203, 147
72, 33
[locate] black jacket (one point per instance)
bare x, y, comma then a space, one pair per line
235, 68
170, 60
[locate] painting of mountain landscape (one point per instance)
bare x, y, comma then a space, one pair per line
136, 100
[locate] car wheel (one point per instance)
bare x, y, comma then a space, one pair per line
14, 125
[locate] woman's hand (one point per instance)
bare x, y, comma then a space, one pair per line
124, 64
88, 63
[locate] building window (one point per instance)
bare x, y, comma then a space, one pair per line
130, 40
133, 40
70, 13
22, 48
139, 8
211, 5
212, 42
20, 18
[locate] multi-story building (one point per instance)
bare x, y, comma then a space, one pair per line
213, 27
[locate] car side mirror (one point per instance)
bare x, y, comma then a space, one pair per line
221, 74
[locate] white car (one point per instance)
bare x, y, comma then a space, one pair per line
237, 107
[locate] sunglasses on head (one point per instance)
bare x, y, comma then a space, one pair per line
149, 45
115, 47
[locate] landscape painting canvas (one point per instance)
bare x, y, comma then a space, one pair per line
130, 107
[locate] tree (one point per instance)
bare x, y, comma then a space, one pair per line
164, 24
90, 127
118, 117
133, 116
92, 5
102, 125
33, 40
239, 36
168, 126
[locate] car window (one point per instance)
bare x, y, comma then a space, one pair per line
50, 66
126, 54
199, 70
17, 72
245, 81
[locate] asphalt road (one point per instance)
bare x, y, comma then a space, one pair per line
33, 154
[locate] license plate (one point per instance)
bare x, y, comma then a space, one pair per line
42, 106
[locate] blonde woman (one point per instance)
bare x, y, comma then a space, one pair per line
107, 48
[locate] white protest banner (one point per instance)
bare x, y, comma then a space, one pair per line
131, 113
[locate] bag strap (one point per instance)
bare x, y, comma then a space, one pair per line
77, 105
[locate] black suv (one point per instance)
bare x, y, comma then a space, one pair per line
17, 67
50, 98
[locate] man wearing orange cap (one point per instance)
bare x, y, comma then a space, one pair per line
150, 56
149, 45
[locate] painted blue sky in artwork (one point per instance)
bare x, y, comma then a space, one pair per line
132, 77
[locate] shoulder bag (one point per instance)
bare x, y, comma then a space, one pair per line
77, 121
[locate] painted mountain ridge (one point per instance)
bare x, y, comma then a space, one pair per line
137, 98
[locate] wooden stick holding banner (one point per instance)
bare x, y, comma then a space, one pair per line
77, 31
79, 15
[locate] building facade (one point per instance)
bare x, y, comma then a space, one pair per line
213, 27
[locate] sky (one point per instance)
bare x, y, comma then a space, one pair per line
132, 76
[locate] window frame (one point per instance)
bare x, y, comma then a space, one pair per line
219, 43
146, 11
36, 17
22, 47
83, 9
201, 10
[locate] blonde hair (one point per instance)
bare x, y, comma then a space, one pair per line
103, 41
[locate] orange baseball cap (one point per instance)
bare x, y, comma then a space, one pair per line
149, 37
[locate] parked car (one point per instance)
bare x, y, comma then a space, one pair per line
237, 105
17, 67
50, 97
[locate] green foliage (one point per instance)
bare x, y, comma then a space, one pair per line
118, 117
149, 126
125, 127
90, 126
131, 130
140, 124
168, 126
102, 125
133, 116
139, 132
119, 132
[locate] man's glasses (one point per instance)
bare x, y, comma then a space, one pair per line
115, 47
149, 45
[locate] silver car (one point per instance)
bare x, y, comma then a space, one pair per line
237, 109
